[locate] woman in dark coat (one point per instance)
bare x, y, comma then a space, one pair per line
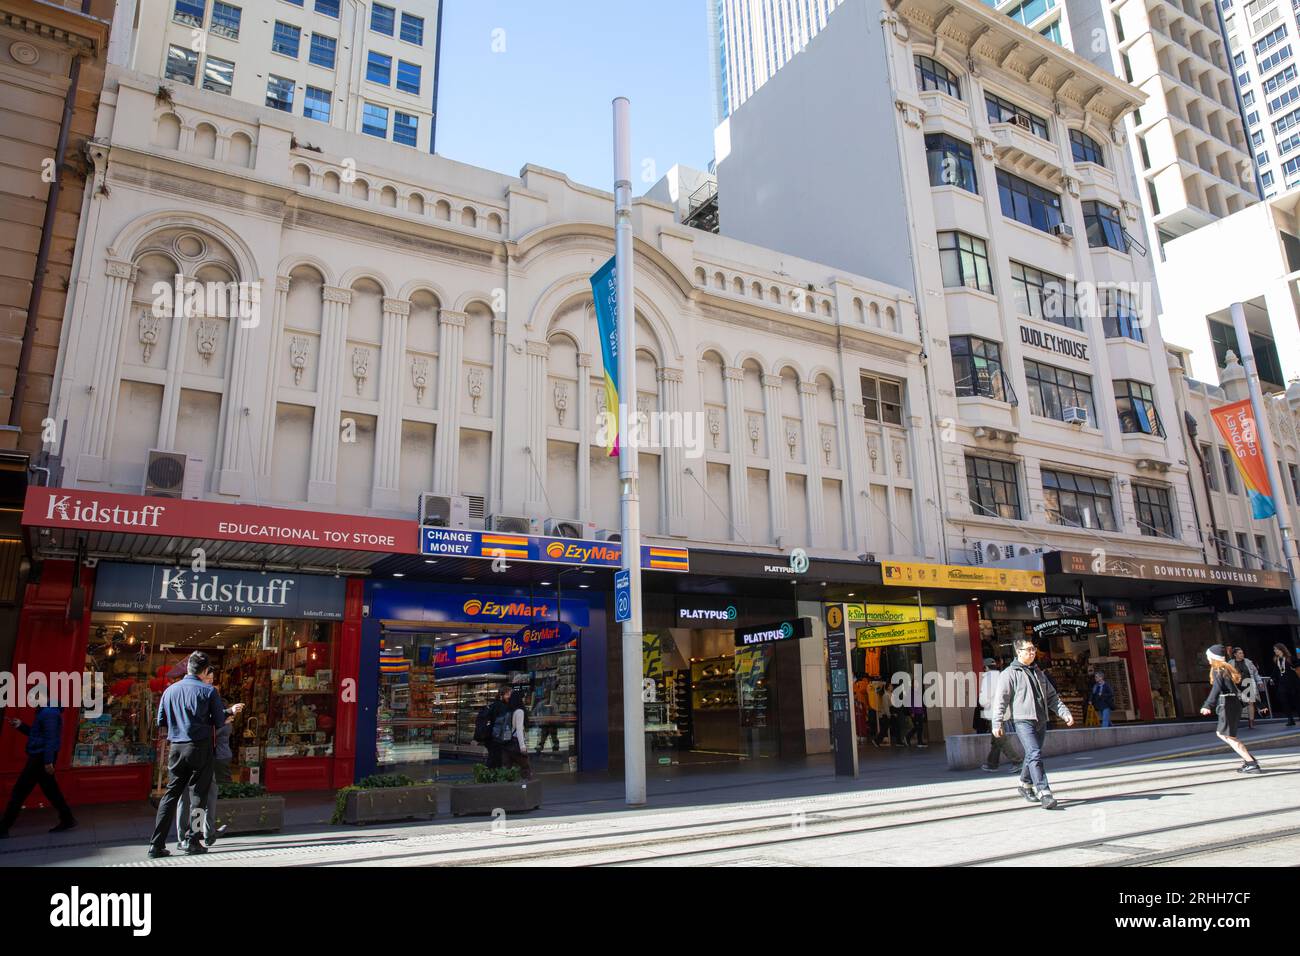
1288, 684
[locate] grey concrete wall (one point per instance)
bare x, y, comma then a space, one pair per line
814, 163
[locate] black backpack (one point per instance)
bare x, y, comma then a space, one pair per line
483, 724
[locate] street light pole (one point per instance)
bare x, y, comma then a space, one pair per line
633, 710
1264, 439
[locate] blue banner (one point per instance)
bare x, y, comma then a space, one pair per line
148, 588
604, 292
459, 543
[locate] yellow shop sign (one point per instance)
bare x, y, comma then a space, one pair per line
899, 574
886, 613
914, 632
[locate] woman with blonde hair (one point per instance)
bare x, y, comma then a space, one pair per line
1225, 697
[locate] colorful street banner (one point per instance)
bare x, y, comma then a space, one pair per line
604, 292
524, 547
1236, 423
900, 574
913, 632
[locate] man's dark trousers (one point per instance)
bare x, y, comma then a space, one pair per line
1032, 734
189, 765
33, 775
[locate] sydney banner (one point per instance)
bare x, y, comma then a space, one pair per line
1236, 423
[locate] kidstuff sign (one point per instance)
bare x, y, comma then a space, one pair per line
142, 588
83, 510
455, 542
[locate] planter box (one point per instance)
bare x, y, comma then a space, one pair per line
518, 797
251, 814
384, 804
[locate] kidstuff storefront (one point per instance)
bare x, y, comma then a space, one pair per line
125, 587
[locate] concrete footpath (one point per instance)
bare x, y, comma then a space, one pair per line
714, 809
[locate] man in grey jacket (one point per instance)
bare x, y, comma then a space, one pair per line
1024, 699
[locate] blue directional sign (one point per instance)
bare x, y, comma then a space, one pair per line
623, 595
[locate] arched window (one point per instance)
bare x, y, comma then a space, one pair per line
933, 75
1085, 149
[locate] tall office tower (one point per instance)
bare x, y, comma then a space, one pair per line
1261, 36
1188, 139
752, 39
366, 67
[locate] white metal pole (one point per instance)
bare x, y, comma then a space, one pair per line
633, 707
1264, 437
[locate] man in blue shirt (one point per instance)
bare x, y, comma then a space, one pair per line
43, 738
190, 710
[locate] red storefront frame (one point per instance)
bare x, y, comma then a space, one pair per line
49, 641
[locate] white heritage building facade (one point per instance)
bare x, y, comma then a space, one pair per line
1004, 157
425, 326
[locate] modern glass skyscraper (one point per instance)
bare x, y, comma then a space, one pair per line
752, 39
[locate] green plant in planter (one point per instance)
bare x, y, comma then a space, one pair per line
376, 781
240, 791
382, 780
485, 774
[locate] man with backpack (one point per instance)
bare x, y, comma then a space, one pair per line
491, 718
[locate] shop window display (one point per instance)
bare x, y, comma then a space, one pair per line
283, 671
432, 685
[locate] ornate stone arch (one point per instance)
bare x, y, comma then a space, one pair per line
349, 278
427, 285
126, 244
289, 263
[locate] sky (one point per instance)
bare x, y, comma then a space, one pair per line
531, 81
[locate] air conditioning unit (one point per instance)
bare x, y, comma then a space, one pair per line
565, 528
444, 511
1063, 230
1022, 122
173, 474
513, 524
477, 512
1074, 415
605, 534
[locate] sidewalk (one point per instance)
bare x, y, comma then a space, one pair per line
119, 833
